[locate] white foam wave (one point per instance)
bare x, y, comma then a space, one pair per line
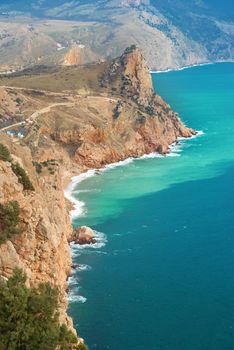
72, 281
199, 133
117, 164
151, 155
78, 206
73, 298
184, 67
100, 242
83, 267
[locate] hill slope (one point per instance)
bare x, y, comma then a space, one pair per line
170, 33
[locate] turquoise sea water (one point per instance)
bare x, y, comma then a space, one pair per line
164, 279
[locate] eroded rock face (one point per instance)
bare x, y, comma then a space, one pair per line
130, 76
42, 250
74, 56
79, 54
136, 122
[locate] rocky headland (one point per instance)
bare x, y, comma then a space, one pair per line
83, 117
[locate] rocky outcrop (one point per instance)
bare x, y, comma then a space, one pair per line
130, 76
140, 121
79, 54
83, 235
74, 56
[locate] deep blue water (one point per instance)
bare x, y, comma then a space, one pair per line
165, 278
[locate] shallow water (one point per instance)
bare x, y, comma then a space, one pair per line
162, 275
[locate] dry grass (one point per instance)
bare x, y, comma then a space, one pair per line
80, 79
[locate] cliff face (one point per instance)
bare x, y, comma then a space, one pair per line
133, 122
130, 76
74, 56
10, 110
42, 250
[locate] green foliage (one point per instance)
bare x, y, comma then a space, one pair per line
117, 110
18, 101
22, 176
150, 110
9, 221
38, 167
130, 49
4, 153
29, 317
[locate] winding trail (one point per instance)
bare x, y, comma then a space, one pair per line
36, 114
47, 109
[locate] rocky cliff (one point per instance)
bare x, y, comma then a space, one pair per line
116, 116
135, 121
42, 250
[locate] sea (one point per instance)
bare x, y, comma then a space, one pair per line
161, 274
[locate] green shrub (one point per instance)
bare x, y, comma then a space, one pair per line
9, 221
130, 49
150, 110
4, 153
38, 167
22, 176
18, 101
29, 317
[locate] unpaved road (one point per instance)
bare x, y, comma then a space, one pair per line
36, 114
47, 109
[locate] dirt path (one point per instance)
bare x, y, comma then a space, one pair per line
36, 114
47, 109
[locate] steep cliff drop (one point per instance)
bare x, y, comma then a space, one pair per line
116, 116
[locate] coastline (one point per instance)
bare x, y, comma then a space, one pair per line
77, 206
189, 66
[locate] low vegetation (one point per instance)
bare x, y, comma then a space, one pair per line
18, 101
130, 49
51, 165
9, 221
4, 153
29, 317
38, 167
117, 110
22, 176
16, 168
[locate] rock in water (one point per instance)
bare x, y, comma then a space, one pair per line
83, 235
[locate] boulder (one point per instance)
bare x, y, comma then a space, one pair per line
83, 235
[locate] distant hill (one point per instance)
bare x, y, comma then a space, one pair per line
171, 33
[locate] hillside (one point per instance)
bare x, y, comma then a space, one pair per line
170, 34
95, 109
